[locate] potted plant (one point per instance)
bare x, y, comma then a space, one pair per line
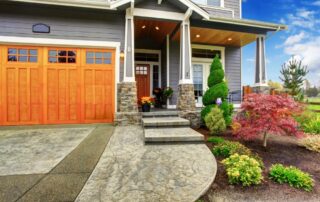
158, 92
168, 92
146, 103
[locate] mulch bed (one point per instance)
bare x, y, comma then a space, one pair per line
280, 149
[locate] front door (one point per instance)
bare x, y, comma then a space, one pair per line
143, 80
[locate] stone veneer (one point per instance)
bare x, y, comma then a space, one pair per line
193, 116
186, 101
128, 113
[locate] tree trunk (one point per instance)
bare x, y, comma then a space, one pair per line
265, 138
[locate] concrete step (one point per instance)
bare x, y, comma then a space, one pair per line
165, 122
160, 114
173, 135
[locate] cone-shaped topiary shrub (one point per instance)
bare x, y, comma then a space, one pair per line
218, 88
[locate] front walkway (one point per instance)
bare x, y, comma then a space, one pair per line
131, 171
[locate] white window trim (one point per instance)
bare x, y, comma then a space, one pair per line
12, 40
151, 65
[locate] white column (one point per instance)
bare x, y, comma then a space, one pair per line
129, 75
260, 70
185, 53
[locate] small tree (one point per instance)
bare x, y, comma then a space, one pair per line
293, 75
275, 85
218, 88
312, 92
262, 115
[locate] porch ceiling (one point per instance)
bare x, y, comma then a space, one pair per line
157, 30
219, 37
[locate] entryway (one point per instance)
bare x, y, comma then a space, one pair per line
56, 85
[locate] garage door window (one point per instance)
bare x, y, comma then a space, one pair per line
22, 55
62, 56
93, 57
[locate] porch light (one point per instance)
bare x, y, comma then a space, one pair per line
229, 39
122, 55
143, 27
198, 35
157, 28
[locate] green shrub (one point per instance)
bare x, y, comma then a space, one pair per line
242, 169
215, 77
312, 143
206, 111
228, 148
217, 91
215, 140
291, 175
227, 112
313, 126
215, 121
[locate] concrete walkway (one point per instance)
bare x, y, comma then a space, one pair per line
49, 163
131, 171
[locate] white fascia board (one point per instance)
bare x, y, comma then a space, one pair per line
250, 23
57, 42
196, 8
115, 4
149, 13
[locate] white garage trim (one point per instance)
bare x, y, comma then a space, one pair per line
70, 43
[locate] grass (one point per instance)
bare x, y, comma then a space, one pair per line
314, 107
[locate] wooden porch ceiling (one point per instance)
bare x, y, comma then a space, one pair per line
218, 37
157, 30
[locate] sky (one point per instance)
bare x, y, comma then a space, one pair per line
301, 40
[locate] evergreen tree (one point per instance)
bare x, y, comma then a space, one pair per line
293, 75
218, 88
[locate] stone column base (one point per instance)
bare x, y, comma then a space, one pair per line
128, 113
186, 101
261, 89
193, 116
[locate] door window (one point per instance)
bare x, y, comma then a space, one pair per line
198, 82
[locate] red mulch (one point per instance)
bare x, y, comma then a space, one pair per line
280, 149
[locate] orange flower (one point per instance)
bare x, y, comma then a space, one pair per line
147, 100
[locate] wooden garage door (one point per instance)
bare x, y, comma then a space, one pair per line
56, 85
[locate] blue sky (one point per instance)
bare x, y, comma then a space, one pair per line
302, 39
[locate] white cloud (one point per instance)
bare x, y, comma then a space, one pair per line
294, 39
316, 3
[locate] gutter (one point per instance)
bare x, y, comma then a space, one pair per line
250, 23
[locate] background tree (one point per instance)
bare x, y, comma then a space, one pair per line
218, 88
293, 75
312, 92
262, 115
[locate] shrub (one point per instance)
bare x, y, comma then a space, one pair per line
262, 115
291, 175
215, 77
241, 169
215, 140
215, 121
227, 148
305, 117
206, 111
313, 126
312, 143
217, 91
227, 112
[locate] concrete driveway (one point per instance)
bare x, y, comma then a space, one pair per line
49, 163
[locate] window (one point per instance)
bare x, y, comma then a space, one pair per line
147, 57
218, 3
95, 57
205, 53
22, 55
62, 56
155, 76
198, 81
141, 70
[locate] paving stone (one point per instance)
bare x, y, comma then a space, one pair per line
129, 170
172, 135
165, 122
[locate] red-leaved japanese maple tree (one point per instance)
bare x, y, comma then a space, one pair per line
262, 115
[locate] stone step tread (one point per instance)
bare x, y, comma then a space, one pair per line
165, 121
172, 135
160, 114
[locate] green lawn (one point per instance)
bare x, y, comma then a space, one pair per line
314, 107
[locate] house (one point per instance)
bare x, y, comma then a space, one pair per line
81, 61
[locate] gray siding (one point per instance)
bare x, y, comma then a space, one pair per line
233, 70
164, 65
232, 9
65, 23
174, 69
164, 6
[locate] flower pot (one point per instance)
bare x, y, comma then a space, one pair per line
146, 108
